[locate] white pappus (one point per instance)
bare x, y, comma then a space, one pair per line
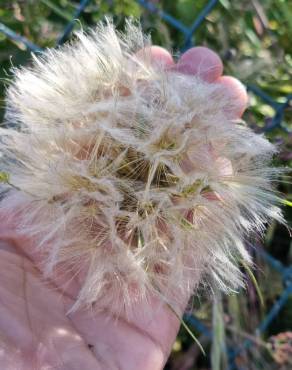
131, 174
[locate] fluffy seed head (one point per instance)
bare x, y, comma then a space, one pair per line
132, 175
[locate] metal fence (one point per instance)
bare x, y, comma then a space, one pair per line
275, 122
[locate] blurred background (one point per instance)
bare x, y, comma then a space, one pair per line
252, 329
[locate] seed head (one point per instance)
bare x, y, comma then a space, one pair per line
132, 174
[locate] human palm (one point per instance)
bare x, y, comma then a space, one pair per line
36, 330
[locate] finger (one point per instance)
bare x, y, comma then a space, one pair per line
144, 336
202, 62
35, 332
156, 55
236, 94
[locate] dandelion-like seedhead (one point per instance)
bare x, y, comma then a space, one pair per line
132, 174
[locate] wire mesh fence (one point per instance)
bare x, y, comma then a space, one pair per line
188, 33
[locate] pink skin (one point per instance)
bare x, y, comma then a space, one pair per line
36, 332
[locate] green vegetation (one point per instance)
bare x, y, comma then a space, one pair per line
253, 38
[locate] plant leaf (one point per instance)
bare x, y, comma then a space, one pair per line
255, 283
4, 177
287, 202
218, 358
186, 327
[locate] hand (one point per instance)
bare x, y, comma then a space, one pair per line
36, 331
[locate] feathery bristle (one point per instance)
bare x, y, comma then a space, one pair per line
131, 172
